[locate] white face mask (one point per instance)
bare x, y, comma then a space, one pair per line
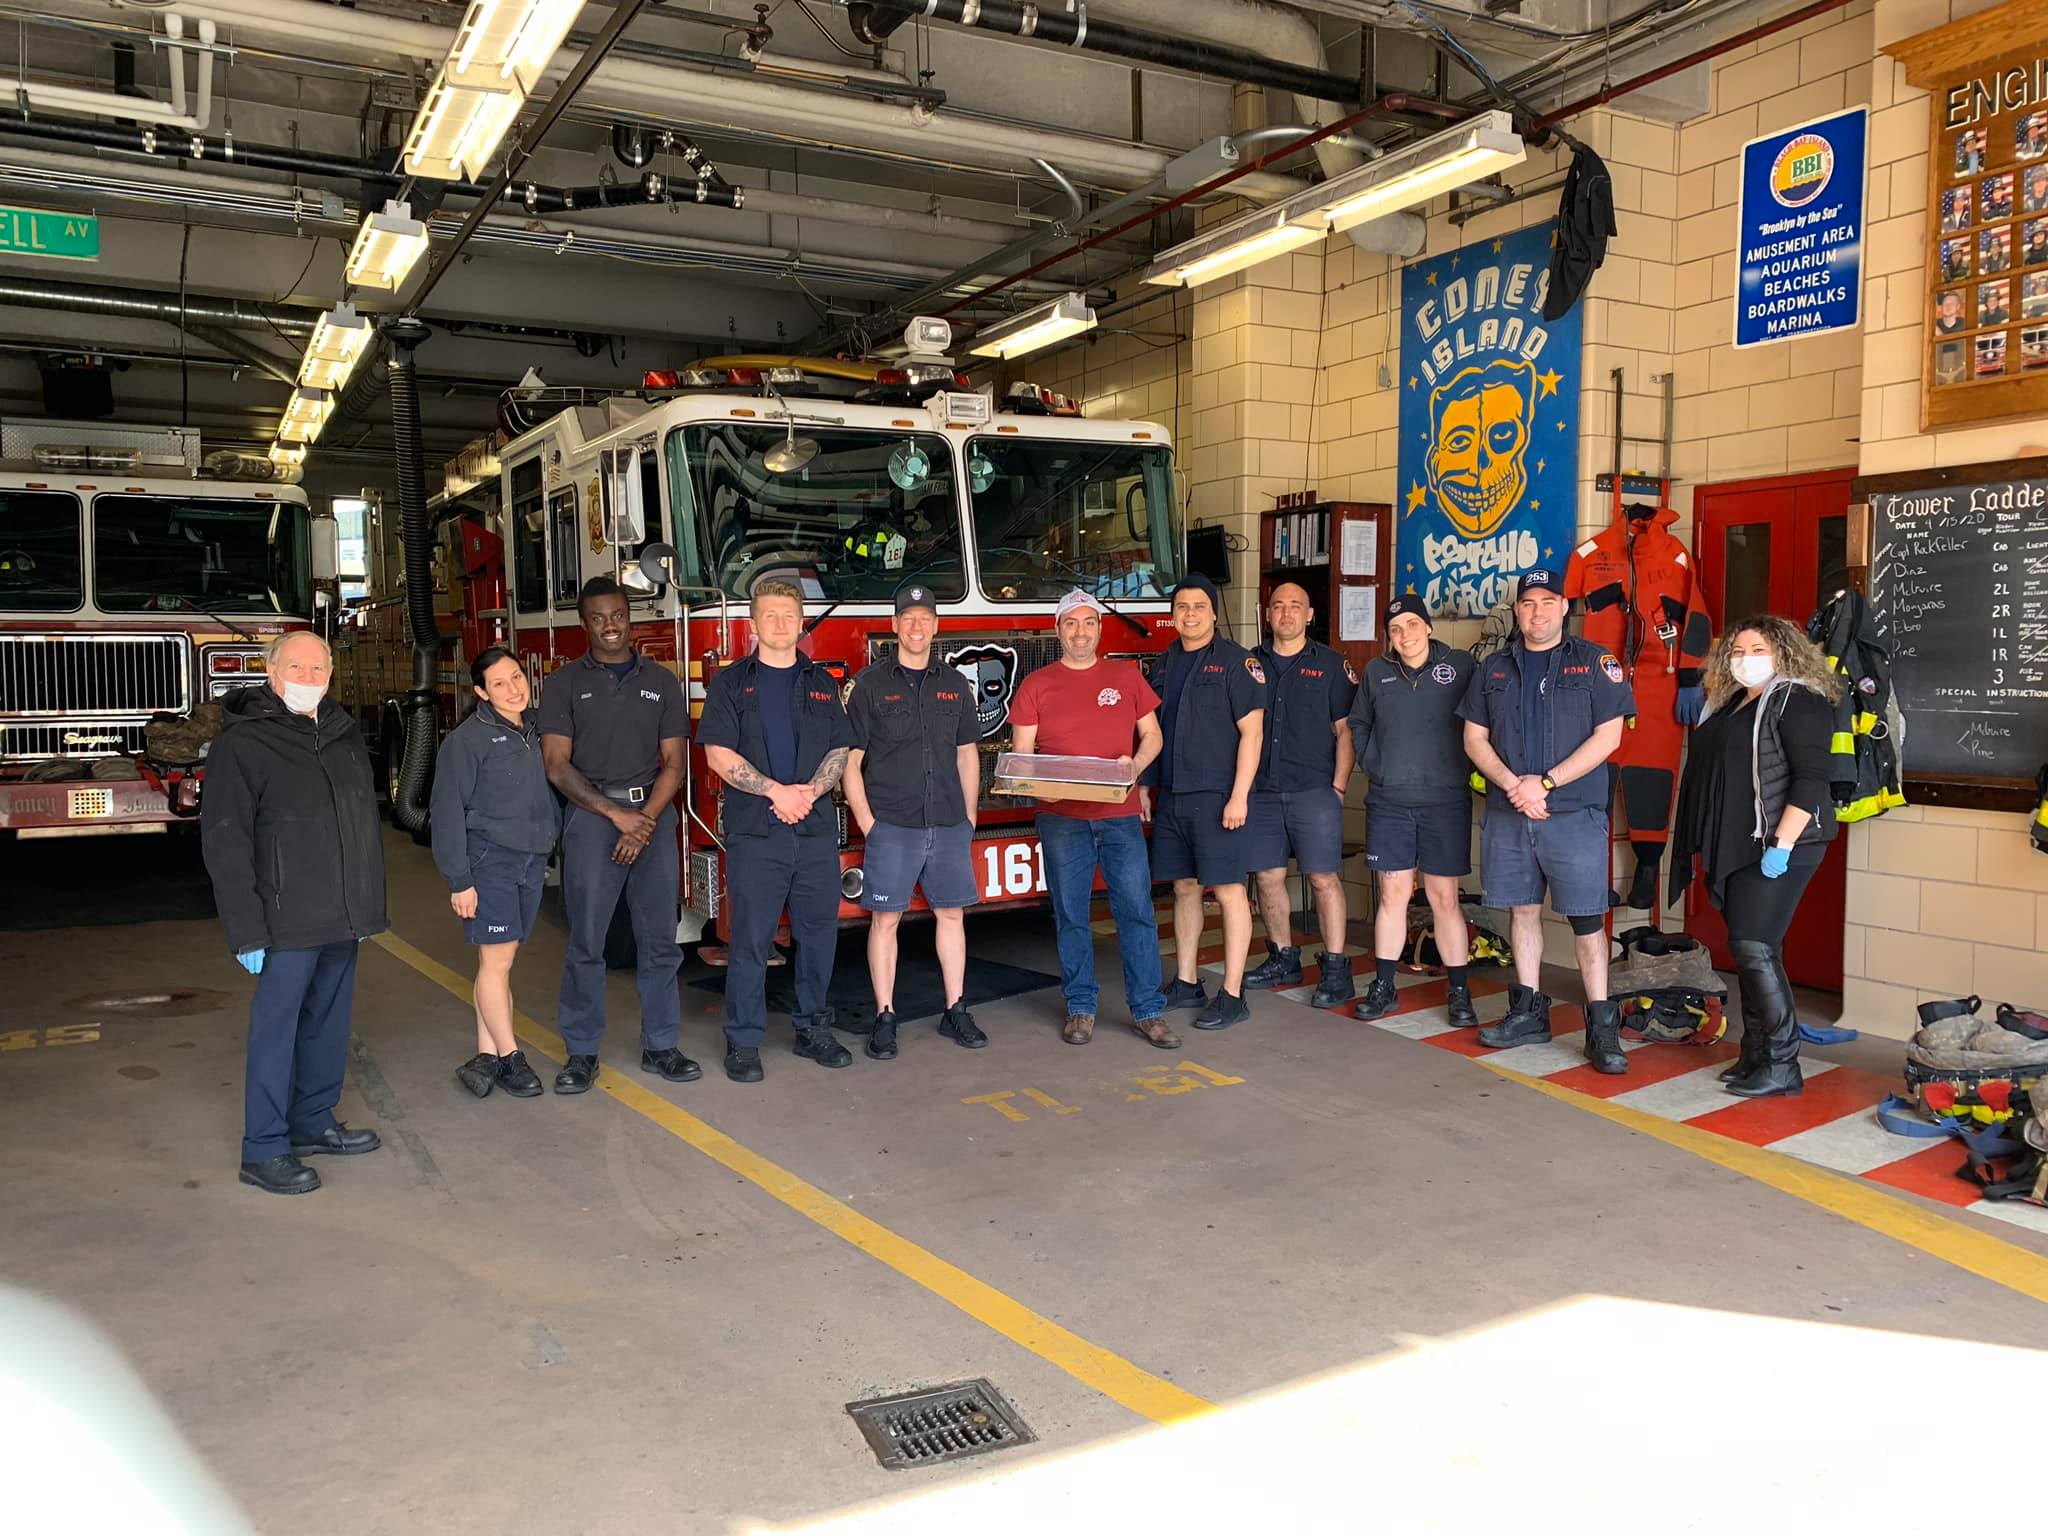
1752, 671
303, 698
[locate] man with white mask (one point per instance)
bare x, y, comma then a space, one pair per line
288, 822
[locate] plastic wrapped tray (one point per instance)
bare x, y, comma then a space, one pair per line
1050, 776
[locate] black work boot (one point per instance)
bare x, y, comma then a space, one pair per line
1603, 1037
479, 1074
1459, 1002
1526, 1022
1380, 997
517, 1077
1280, 968
1336, 986
816, 1042
1769, 1012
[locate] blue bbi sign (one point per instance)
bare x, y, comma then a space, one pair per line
1801, 230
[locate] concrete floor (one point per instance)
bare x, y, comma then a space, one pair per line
552, 1315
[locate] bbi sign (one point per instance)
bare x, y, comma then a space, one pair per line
59, 236
1801, 231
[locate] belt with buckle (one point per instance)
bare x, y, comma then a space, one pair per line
633, 795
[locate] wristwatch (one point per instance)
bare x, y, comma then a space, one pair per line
1547, 782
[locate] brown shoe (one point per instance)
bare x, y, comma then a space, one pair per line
1080, 1029
1159, 1032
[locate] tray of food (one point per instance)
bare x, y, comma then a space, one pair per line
1051, 776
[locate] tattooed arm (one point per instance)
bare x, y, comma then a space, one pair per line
829, 771
791, 802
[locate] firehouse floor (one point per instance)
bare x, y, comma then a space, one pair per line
646, 1308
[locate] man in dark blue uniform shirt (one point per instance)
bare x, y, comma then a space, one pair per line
1212, 694
774, 731
612, 727
1298, 798
1541, 719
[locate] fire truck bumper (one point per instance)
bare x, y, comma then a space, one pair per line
85, 808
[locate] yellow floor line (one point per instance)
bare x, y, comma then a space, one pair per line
1858, 1200
1113, 1376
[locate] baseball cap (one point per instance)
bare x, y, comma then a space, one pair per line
915, 596
1408, 602
1076, 599
1195, 581
1540, 580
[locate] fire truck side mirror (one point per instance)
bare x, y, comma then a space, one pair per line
657, 566
325, 534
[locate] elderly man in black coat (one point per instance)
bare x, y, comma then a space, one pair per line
289, 826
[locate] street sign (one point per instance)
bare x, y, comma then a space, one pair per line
1800, 231
56, 236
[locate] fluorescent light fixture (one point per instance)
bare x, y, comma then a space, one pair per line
304, 415
287, 455
341, 337
459, 126
386, 247
1400, 179
1067, 315
513, 39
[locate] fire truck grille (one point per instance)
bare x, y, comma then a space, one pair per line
21, 741
87, 695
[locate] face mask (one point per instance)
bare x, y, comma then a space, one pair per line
303, 698
1752, 671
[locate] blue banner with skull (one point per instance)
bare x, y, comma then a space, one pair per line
1489, 424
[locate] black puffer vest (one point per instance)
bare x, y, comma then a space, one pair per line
1774, 770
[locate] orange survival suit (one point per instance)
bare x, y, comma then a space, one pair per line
1642, 602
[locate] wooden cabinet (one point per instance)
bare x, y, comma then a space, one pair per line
1306, 544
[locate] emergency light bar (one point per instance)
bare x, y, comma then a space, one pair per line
1067, 315
338, 341
304, 415
387, 245
1398, 180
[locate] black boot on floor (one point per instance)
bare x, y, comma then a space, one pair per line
281, 1175
337, 1140
1280, 968
1768, 1012
1749, 1056
1603, 1038
1224, 1010
1526, 1022
881, 1035
577, 1074
817, 1044
958, 1025
517, 1078
1336, 987
671, 1064
743, 1063
1459, 1003
479, 1074
1380, 997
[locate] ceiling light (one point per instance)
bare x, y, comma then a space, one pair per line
338, 341
304, 415
514, 39
385, 248
1067, 315
287, 455
1237, 245
459, 126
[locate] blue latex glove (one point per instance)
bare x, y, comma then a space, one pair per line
1692, 703
251, 960
1776, 862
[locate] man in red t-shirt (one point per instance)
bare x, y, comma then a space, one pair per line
1082, 706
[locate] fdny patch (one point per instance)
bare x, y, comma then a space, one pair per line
1866, 685
1251, 665
1612, 668
1444, 673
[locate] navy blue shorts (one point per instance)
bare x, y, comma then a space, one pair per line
1189, 843
1308, 823
1436, 839
508, 886
1566, 852
898, 860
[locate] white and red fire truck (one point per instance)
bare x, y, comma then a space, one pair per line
136, 580
847, 478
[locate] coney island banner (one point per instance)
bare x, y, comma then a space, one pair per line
1489, 431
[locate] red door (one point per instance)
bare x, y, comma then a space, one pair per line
1778, 546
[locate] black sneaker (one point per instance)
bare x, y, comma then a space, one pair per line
1337, 985
1527, 1021
816, 1044
479, 1074
1378, 1001
577, 1074
1185, 994
743, 1063
881, 1035
958, 1024
517, 1078
671, 1064
1463, 1014
1224, 1010
1280, 968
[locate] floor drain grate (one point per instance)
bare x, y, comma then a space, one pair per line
918, 1429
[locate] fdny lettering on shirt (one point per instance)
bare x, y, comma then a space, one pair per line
820, 698
649, 693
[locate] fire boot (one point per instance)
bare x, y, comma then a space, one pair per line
1603, 1037
1526, 1022
1280, 968
1769, 1013
1642, 890
1336, 986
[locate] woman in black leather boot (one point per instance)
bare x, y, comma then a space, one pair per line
1757, 806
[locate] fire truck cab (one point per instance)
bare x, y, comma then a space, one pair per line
136, 581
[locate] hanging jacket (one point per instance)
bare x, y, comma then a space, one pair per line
1642, 597
1585, 223
1868, 729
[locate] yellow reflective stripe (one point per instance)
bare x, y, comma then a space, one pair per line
1865, 724
1843, 744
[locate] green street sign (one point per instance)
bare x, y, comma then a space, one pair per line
58, 236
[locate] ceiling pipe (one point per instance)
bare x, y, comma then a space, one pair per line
248, 352
141, 304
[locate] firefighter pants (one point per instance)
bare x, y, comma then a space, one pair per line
1647, 760
591, 884
765, 874
298, 1047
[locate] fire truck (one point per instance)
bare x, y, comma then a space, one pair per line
846, 478
138, 579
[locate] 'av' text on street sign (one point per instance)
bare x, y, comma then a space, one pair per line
57, 236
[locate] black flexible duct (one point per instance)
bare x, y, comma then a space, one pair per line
422, 711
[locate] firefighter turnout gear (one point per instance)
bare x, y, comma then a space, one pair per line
1866, 772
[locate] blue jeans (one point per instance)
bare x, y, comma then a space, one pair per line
1074, 847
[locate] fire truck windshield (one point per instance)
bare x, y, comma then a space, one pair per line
1054, 513
851, 524
177, 554
41, 567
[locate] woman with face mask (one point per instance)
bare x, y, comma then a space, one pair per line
495, 821
1757, 805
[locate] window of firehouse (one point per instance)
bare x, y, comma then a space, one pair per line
42, 568
850, 515
1052, 514
192, 554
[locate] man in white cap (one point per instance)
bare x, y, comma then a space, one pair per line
1085, 706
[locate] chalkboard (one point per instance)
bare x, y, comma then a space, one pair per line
1959, 582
